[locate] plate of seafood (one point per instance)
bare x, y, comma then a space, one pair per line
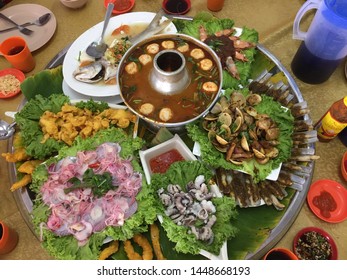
97, 78
219, 204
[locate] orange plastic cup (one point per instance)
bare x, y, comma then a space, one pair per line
215, 5
16, 51
280, 254
8, 239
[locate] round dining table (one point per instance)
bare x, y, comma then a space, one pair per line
274, 22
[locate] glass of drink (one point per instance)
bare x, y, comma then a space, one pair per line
16, 51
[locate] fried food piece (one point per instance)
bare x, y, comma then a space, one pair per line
154, 230
72, 121
29, 166
110, 250
21, 183
18, 155
129, 250
147, 251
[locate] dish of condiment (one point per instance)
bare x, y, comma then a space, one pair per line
176, 7
327, 200
10, 80
159, 158
161, 162
313, 243
120, 6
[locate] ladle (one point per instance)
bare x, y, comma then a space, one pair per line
97, 48
6, 130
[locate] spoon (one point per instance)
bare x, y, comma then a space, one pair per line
22, 29
97, 48
6, 130
42, 20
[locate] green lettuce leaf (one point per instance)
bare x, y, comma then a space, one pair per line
181, 173
67, 247
45, 83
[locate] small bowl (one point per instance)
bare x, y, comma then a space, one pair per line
315, 230
176, 7
280, 254
174, 143
118, 8
74, 4
344, 166
323, 188
20, 76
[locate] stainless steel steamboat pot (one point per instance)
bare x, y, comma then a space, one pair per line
169, 76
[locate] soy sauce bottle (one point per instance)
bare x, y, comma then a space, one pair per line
333, 121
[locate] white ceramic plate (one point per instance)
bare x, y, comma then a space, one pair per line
76, 95
70, 63
26, 13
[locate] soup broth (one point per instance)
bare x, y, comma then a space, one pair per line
185, 105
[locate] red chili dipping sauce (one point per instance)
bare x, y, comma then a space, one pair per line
122, 5
345, 164
162, 162
325, 203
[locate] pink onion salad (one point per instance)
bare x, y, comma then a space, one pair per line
78, 211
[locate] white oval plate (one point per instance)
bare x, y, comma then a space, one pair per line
71, 63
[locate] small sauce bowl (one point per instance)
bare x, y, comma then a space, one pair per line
120, 6
303, 237
176, 7
280, 254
